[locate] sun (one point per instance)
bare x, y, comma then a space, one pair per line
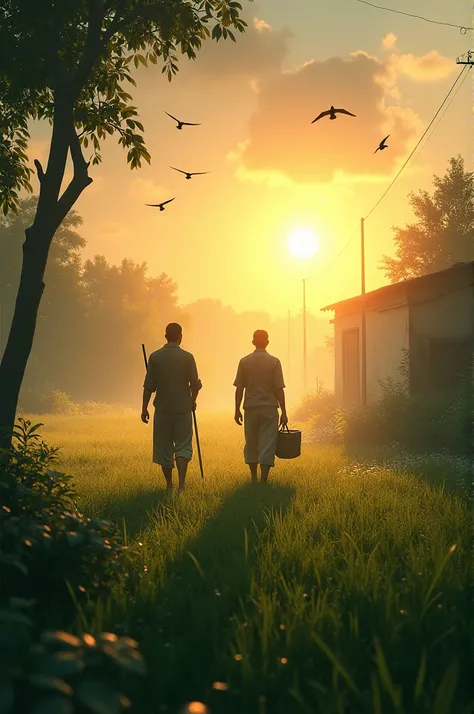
303, 243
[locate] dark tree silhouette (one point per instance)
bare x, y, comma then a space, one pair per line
62, 272
444, 232
66, 62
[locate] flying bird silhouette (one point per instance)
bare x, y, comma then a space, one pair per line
332, 114
382, 145
180, 124
161, 206
188, 174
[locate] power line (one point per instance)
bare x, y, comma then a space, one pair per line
445, 110
418, 143
463, 71
461, 28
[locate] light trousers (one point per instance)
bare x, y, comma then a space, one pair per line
261, 434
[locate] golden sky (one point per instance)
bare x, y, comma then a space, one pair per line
271, 170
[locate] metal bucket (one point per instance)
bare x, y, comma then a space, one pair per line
288, 443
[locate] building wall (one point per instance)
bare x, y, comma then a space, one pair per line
345, 322
448, 317
387, 335
387, 338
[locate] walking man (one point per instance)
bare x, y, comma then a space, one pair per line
172, 374
261, 376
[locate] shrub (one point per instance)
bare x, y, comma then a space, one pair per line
320, 404
319, 409
57, 673
428, 422
46, 546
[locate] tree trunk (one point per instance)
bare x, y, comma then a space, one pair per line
20, 339
50, 213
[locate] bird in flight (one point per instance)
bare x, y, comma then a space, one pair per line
188, 174
332, 114
161, 206
382, 145
180, 124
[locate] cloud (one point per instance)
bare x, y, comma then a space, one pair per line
282, 139
261, 25
258, 52
429, 67
390, 41
147, 191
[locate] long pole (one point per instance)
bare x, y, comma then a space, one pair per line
304, 337
364, 329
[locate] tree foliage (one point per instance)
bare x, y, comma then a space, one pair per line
444, 231
73, 58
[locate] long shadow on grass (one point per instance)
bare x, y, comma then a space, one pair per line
186, 630
134, 509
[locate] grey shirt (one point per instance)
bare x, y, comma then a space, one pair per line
261, 375
172, 373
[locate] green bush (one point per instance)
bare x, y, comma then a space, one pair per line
54, 672
319, 410
320, 404
423, 423
47, 548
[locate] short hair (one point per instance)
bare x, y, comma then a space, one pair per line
260, 337
173, 332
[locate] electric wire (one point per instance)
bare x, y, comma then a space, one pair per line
461, 28
463, 71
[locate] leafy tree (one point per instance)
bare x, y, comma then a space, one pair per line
122, 304
62, 273
444, 231
67, 62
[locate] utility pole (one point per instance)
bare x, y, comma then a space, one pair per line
467, 58
363, 330
304, 337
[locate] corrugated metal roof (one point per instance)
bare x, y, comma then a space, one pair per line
383, 292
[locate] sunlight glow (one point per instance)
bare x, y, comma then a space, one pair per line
303, 243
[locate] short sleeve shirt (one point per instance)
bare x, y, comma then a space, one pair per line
172, 373
261, 375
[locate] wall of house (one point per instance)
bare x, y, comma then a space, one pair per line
387, 335
345, 322
448, 317
387, 338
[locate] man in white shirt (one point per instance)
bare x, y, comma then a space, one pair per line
261, 376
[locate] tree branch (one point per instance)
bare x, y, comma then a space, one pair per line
80, 181
80, 164
39, 170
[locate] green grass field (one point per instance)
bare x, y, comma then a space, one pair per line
337, 587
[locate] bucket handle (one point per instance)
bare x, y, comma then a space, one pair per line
283, 427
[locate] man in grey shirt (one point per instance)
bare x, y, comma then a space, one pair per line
172, 374
261, 376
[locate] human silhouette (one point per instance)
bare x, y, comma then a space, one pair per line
260, 375
173, 375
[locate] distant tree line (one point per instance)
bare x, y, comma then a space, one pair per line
95, 315
92, 319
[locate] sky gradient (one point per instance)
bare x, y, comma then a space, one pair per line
224, 236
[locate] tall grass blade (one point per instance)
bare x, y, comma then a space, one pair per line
446, 690
332, 657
